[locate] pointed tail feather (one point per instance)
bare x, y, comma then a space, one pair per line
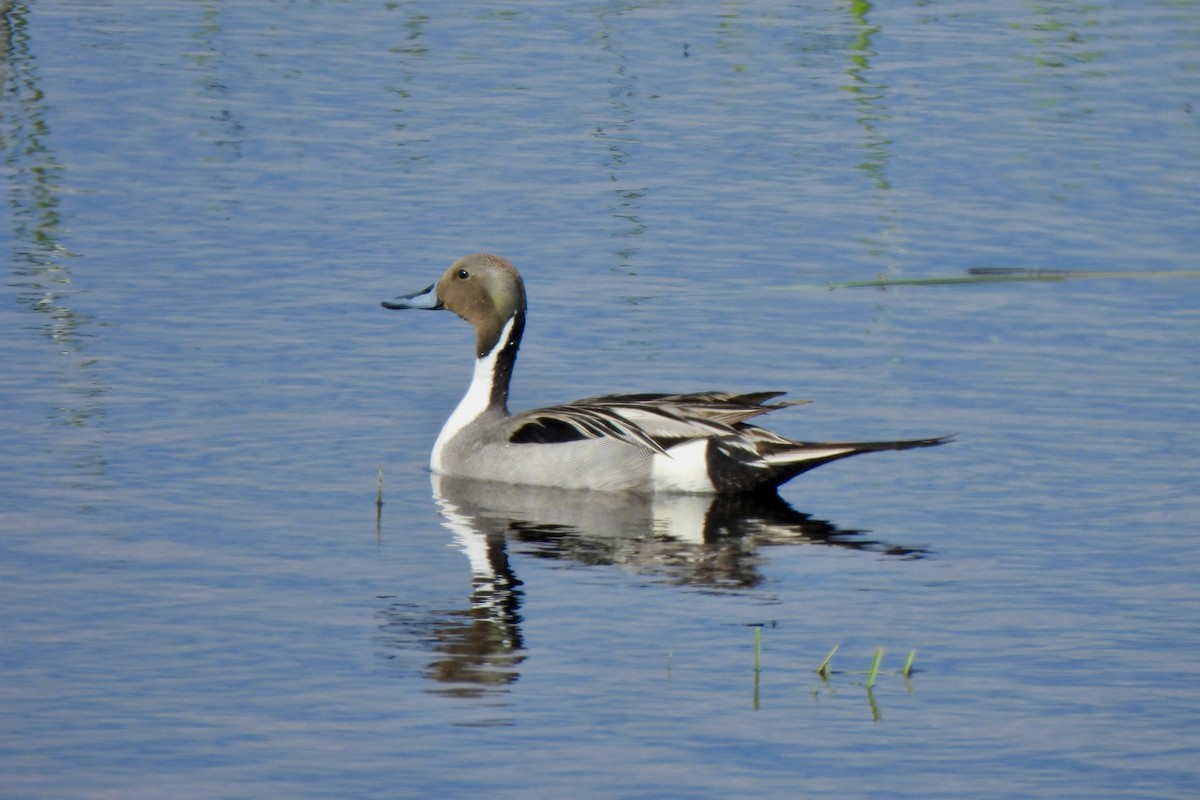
788, 461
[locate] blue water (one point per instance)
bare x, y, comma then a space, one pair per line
205, 203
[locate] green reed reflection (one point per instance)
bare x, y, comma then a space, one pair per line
39, 257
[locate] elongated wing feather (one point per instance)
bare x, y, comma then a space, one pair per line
559, 424
727, 408
647, 420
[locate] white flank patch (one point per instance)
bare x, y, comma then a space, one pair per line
475, 402
684, 468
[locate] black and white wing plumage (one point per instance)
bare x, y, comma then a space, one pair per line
653, 421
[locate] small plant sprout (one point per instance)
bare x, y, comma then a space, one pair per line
907, 671
875, 662
824, 669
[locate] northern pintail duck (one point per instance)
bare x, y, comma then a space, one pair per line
690, 443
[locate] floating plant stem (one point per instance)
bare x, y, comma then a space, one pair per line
1011, 274
908, 663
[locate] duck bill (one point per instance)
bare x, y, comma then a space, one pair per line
426, 298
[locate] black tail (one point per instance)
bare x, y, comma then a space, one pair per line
799, 457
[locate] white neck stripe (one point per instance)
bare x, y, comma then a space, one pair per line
476, 400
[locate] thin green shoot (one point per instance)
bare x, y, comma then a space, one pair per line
824, 669
875, 662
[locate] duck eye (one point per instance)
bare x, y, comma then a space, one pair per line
463, 274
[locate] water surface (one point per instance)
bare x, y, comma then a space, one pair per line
205, 203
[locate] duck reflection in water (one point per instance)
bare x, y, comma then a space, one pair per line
711, 542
